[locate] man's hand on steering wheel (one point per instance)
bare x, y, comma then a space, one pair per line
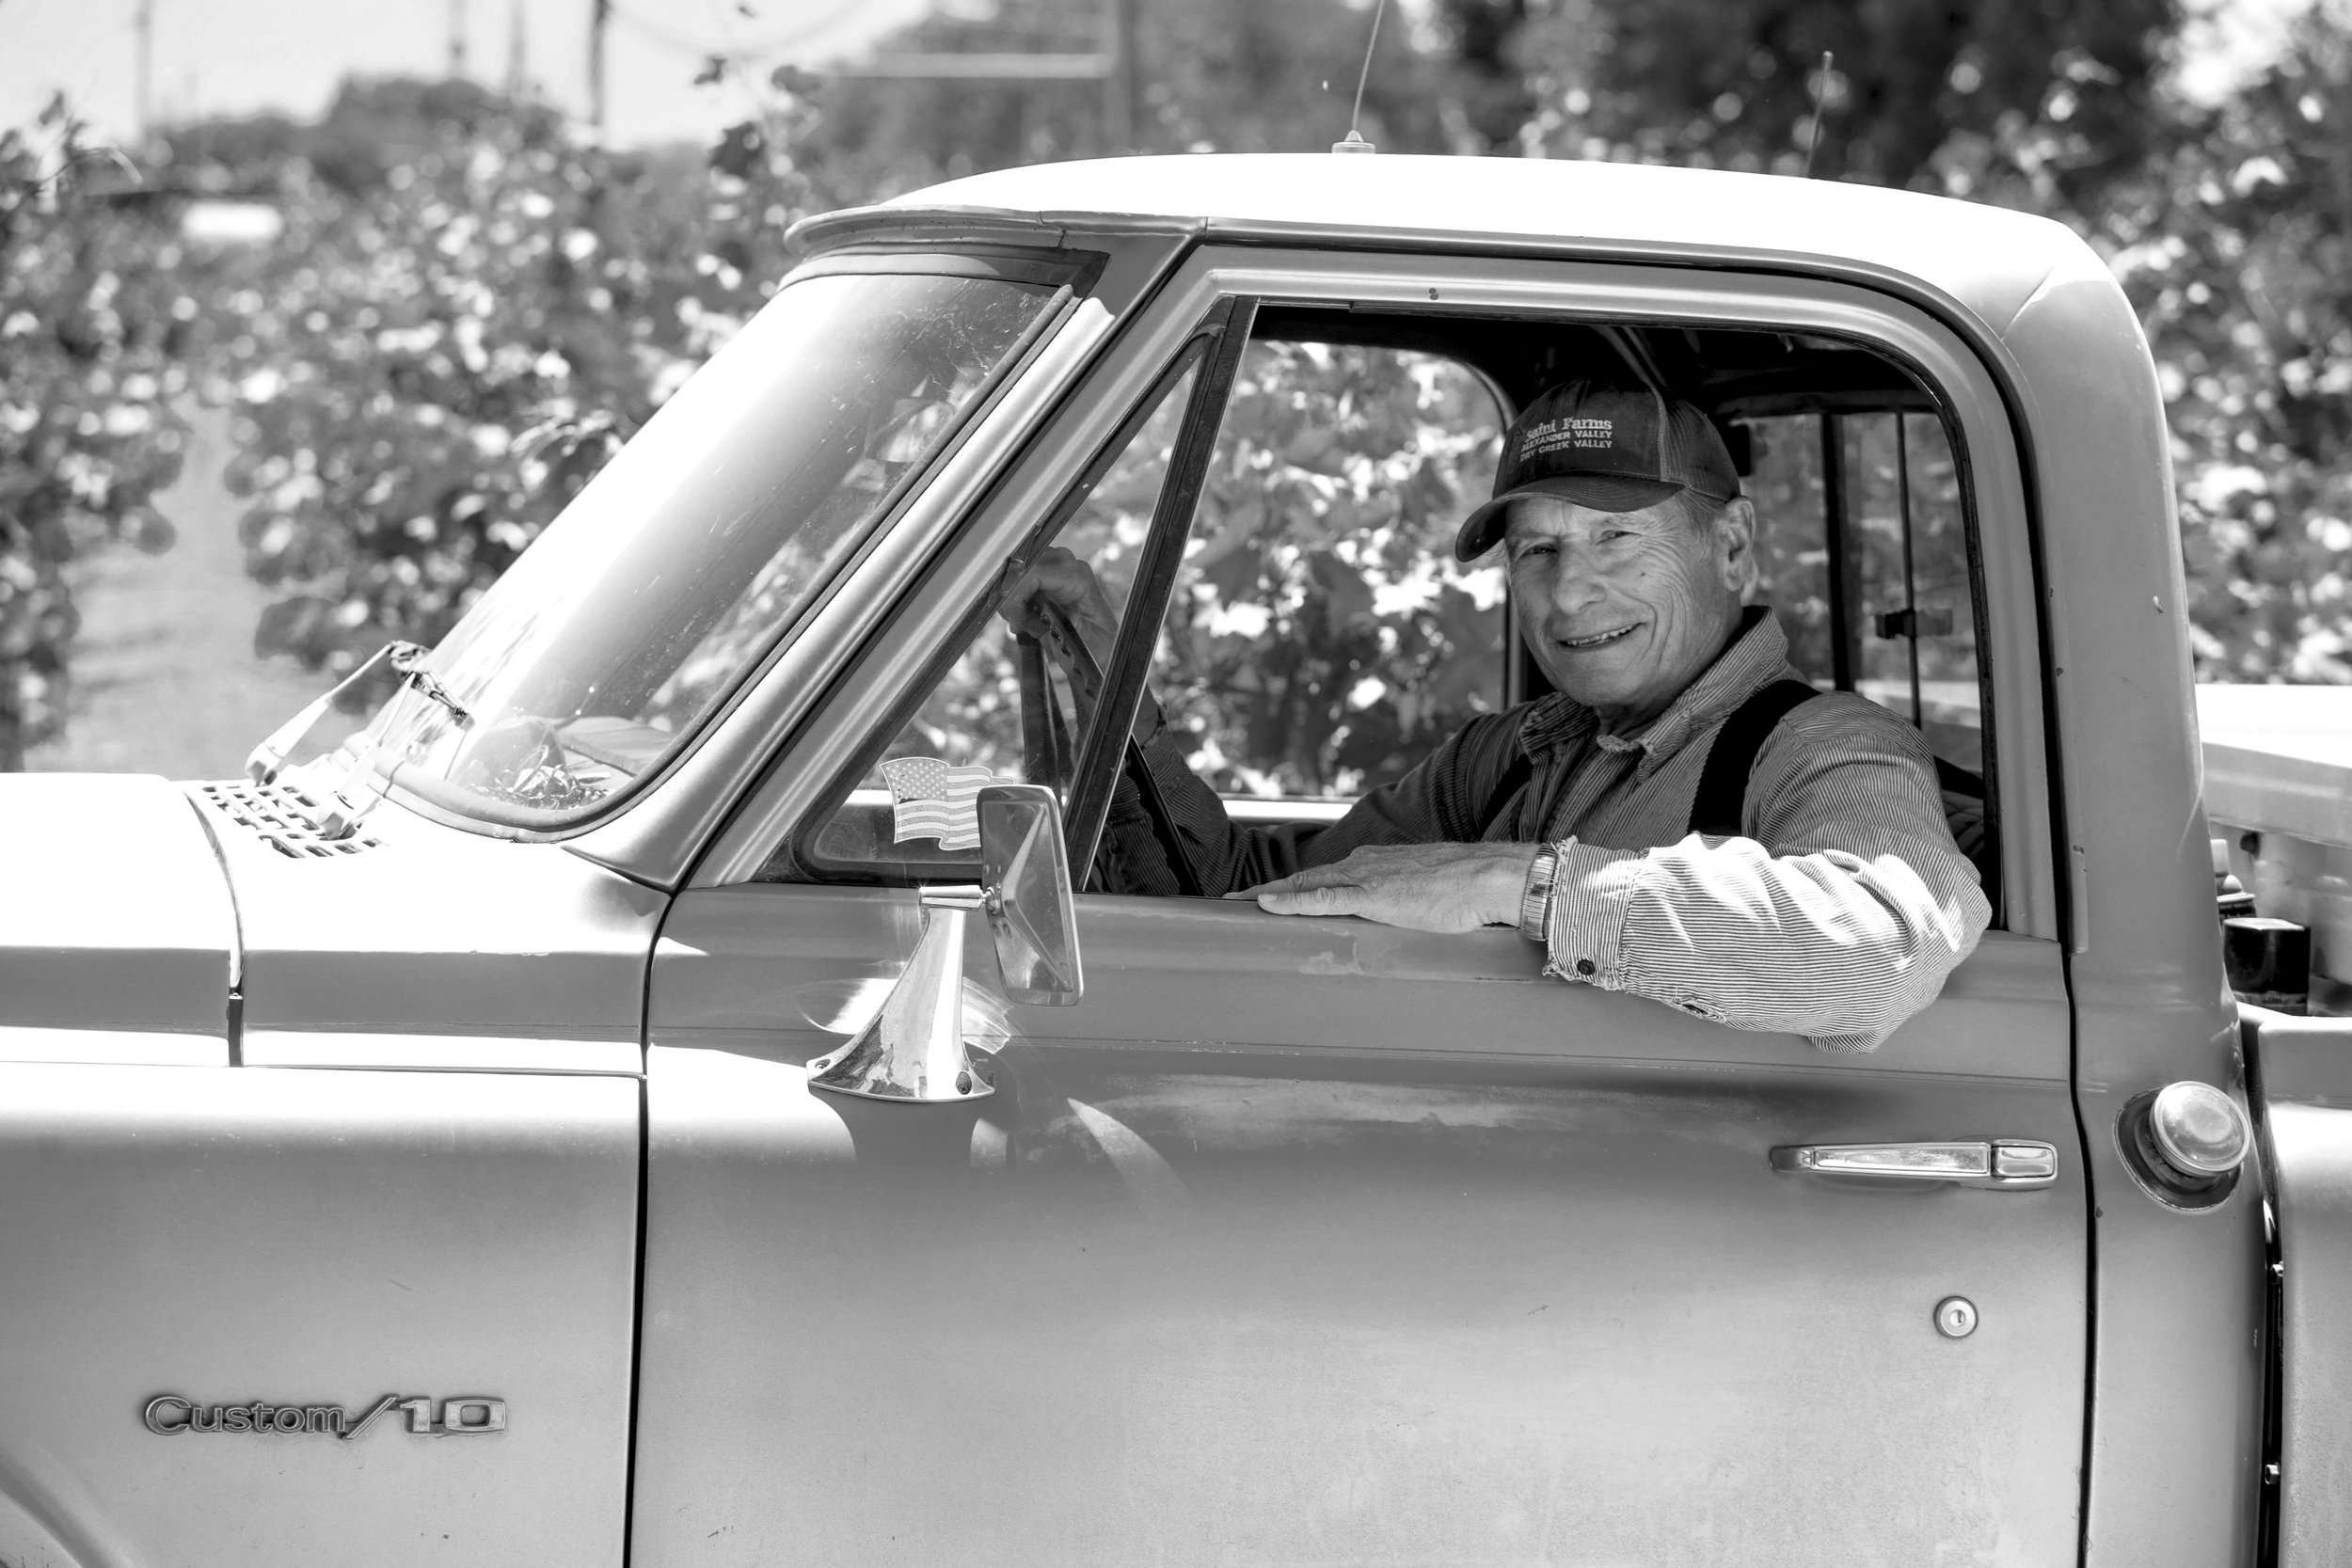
1058, 581
1060, 578
1060, 604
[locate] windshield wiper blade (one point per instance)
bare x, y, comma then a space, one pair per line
266, 761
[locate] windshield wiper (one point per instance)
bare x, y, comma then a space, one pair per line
265, 762
409, 660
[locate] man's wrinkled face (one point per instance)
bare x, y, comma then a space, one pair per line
1624, 609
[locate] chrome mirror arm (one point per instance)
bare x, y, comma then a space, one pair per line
913, 1050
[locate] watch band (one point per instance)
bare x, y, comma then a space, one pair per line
1536, 899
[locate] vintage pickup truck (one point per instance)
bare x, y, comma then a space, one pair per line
601, 1113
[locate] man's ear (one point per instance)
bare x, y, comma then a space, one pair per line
1735, 544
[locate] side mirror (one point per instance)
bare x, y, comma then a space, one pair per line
913, 1051
1029, 908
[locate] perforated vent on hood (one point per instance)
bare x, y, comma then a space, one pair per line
280, 817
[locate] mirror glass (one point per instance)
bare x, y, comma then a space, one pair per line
1032, 916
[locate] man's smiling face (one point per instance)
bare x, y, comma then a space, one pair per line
1624, 609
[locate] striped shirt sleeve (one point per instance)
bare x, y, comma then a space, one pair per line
1836, 913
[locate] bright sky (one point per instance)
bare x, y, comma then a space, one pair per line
230, 56
226, 56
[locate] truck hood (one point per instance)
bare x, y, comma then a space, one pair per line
118, 937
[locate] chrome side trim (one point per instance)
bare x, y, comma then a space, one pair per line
120, 1046
1252, 810
319, 1048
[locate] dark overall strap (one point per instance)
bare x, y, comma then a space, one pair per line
1513, 780
1723, 786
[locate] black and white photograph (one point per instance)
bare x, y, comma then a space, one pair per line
1193, 784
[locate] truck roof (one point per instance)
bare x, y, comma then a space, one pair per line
1989, 260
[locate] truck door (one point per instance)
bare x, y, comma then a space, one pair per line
1319, 1240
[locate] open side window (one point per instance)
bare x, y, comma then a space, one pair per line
1274, 525
1321, 639
1866, 532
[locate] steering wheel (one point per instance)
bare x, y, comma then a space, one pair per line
1046, 737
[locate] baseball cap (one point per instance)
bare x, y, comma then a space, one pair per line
1605, 445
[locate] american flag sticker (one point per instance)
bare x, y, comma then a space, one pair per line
931, 799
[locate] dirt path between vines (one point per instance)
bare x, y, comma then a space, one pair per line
165, 677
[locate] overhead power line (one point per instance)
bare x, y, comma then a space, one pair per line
1116, 67
986, 67
753, 50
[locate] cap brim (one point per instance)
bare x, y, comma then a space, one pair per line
1483, 529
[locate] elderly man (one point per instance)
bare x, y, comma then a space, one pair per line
1817, 890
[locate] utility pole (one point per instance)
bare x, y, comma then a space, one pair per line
517, 53
456, 39
1121, 91
144, 22
599, 19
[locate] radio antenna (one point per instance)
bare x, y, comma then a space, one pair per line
1355, 142
1820, 95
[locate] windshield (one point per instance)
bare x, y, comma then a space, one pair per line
672, 573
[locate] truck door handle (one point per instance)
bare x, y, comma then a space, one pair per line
2007, 1164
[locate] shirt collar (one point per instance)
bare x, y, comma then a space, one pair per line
1755, 658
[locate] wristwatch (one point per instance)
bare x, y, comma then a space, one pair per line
1536, 899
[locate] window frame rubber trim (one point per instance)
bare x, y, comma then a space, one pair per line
1095, 775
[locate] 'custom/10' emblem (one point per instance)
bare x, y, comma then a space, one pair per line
468, 1415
